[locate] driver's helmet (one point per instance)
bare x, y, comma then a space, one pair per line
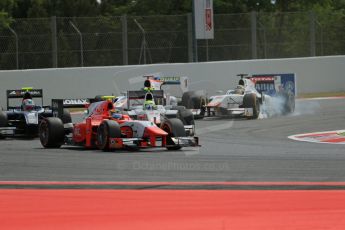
239, 89
28, 104
115, 114
149, 105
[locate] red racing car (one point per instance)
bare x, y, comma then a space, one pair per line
105, 129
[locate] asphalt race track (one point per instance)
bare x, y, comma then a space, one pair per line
232, 150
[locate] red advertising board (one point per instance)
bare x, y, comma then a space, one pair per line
208, 19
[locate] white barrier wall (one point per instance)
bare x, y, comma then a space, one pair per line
317, 74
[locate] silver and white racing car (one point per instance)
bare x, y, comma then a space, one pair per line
254, 95
149, 106
173, 88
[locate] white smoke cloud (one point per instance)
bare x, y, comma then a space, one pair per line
273, 106
276, 107
305, 107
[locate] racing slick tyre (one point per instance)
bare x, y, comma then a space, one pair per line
185, 115
175, 128
66, 116
251, 101
195, 100
3, 119
107, 129
3, 122
51, 132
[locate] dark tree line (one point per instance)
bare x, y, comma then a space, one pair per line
90, 8
283, 28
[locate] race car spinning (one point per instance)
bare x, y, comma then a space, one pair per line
106, 128
245, 100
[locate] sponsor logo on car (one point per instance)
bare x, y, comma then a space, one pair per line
262, 78
75, 101
21, 92
170, 78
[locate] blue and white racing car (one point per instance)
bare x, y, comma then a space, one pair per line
24, 118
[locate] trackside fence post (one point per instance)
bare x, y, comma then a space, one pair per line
254, 34
190, 37
54, 41
124, 39
312, 20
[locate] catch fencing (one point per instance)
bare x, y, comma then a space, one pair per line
129, 40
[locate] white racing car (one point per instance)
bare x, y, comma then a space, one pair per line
194, 101
149, 105
261, 94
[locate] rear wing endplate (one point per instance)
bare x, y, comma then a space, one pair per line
58, 105
57, 108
